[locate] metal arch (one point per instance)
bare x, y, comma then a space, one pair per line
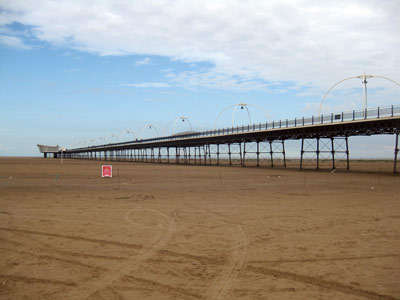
260, 108
331, 88
166, 126
105, 139
219, 115
234, 111
116, 136
128, 132
395, 82
183, 118
190, 125
354, 77
131, 132
148, 126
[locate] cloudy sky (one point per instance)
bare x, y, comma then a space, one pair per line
75, 71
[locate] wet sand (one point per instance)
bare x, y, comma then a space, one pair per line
197, 232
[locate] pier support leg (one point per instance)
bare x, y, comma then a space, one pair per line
243, 160
271, 152
333, 154
258, 154
301, 154
318, 152
217, 154
241, 155
396, 152
244, 155
229, 153
347, 153
209, 153
185, 155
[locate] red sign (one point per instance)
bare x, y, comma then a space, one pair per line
106, 171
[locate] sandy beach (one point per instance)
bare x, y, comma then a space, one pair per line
197, 232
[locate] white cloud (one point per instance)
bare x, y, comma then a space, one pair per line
144, 61
12, 41
216, 80
148, 85
303, 42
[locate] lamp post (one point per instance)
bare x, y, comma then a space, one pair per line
364, 82
242, 106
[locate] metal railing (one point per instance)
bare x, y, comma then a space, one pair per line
355, 115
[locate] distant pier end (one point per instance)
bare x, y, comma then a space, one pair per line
49, 150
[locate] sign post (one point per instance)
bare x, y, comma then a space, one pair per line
106, 171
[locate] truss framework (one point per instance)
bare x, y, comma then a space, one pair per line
323, 144
325, 150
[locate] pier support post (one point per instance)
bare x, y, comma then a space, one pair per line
284, 153
396, 152
244, 155
318, 152
333, 154
185, 155
258, 154
271, 154
347, 154
240, 153
229, 153
301, 154
217, 154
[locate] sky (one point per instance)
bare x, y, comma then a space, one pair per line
78, 72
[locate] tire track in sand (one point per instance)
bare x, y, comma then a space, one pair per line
158, 286
330, 285
165, 228
37, 280
236, 262
72, 237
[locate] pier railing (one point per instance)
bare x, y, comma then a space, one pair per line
355, 115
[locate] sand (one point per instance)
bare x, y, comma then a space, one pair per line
197, 232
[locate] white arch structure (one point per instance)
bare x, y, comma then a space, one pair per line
183, 119
127, 132
242, 106
115, 136
103, 140
150, 126
364, 82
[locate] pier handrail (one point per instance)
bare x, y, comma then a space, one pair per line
355, 115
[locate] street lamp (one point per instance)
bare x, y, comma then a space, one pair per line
364, 82
241, 106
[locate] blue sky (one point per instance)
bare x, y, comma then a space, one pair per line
76, 71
